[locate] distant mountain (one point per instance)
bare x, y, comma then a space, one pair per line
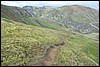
74, 16
14, 13
77, 17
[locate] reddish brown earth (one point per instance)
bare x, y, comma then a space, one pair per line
49, 59
50, 56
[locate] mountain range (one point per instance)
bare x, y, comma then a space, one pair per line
77, 17
48, 36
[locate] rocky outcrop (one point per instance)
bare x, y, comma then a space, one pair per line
30, 9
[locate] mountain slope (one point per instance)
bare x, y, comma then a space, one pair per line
28, 32
23, 16
79, 51
74, 16
22, 44
14, 13
25, 45
77, 17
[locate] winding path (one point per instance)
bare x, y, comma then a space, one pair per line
50, 56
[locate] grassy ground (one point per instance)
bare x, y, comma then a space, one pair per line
79, 51
23, 45
43, 23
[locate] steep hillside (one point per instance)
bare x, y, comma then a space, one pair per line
13, 13
23, 16
27, 33
22, 44
73, 16
25, 45
77, 17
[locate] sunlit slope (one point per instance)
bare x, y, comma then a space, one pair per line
79, 51
22, 44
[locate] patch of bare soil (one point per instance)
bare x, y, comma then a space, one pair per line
50, 56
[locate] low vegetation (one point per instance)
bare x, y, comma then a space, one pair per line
25, 45
22, 44
80, 51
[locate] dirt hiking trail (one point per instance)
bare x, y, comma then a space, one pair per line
50, 55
